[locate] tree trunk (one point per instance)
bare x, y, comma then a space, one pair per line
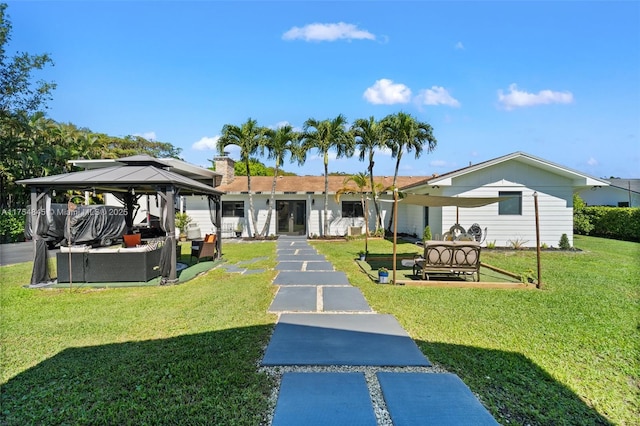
375, 200
252, 215
265, 230
395, 178
326, 194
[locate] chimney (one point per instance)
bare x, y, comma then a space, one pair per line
224, 166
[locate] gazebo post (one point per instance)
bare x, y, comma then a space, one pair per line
218, 205
171, 218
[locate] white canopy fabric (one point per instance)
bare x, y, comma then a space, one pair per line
442, 201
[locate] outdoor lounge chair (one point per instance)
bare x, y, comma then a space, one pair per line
448, 257
204, 248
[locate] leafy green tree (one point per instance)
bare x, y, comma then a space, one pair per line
405, 133
248, 137
324, 136
20, 96
279, 143
137, 145
256, 168
370, 135
18, 90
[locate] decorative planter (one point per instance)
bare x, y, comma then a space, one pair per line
383, 277
363, 257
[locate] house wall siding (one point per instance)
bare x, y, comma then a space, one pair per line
609, 196
554, 205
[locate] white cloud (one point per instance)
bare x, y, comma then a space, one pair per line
386, 92
592, 161
206, 143
328, 32
150, 136
517, 98
436, 96
459, 46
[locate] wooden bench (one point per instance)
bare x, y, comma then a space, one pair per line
449, 257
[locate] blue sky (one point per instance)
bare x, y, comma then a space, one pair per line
559, 80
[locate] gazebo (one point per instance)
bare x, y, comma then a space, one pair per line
128, 179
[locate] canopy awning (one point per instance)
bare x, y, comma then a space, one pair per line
442, 201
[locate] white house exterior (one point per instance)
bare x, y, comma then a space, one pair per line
299, 201
518, 176
619, 193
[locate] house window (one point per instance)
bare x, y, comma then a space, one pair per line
352, 209
512, 206
233, 209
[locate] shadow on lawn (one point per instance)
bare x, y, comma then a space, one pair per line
212, 378
514, 387
207, 378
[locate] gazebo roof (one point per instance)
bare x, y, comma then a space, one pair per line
143, 178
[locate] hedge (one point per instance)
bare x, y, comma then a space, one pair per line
12, 223
619, 223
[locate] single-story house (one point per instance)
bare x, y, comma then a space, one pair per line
619, 193
299, 201
516, 177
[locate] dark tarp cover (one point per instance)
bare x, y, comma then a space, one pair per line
95, 224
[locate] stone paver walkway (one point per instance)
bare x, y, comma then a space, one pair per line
326, 324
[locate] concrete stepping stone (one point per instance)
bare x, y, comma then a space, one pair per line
304, 266
319, 266
344, 299
300, 257
431, 399
295, 299
341, 339
250, 261
301, 251
311, 278
320, 399
290, 266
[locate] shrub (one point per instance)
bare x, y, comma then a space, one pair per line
581, 223
12, 223
517, 243
426, 235
621, 223
564, 242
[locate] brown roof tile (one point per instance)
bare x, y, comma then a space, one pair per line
303, 184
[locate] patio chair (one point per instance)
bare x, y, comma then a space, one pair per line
204, 248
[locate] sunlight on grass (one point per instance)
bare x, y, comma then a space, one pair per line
534, 356
138, 355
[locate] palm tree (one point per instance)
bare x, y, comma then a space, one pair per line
406, 133
324, 136
249, 137
279, 142
369, 136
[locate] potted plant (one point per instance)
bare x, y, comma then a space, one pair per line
239, 228
362, 255
182, 220
383, 276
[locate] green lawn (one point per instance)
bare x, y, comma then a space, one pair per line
567, 354
189, 353
184, 354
